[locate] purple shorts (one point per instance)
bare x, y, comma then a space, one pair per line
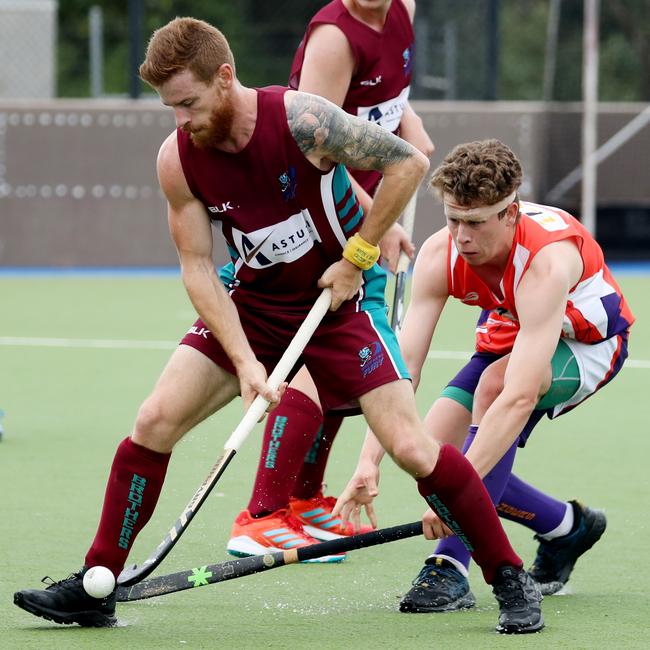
467, 378
348, 355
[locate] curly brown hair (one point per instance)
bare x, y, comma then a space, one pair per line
481, 172
185, 44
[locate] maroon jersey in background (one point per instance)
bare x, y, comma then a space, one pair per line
379, 87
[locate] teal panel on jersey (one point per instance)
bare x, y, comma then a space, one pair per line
350, 225
227, 274
341, 188
379, 318
354, 221
374, 288
349, 205
234, 255
340, 183
374, 279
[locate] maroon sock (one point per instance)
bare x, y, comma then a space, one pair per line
457, 495
289, 432
310, 479
134, 484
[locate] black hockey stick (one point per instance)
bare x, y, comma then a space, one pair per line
134, 573
397, 311
211, 573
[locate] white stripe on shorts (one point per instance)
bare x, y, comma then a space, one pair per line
383, 342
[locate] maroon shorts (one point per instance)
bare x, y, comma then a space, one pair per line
348, 355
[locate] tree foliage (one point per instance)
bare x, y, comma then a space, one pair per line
264, 36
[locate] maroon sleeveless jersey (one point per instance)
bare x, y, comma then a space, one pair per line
284, 220
379, 87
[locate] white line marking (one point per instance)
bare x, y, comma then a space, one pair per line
112, 344
448, 354
456, 354
125, 344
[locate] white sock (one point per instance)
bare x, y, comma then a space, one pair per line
563, 528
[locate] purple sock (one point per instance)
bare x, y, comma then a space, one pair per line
495, 482
528, 506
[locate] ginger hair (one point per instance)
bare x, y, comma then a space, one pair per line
185, 44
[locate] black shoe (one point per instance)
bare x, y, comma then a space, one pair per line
556, 557
519, 601
66, 601
439, 587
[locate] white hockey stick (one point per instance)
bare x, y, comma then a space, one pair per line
133, 574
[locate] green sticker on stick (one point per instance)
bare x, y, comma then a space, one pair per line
200, 576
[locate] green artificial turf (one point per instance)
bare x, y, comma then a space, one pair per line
67, 408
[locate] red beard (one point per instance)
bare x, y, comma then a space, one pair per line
219, 128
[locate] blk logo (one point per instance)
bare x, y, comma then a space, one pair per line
220, 209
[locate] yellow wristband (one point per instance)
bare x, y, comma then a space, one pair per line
360, 253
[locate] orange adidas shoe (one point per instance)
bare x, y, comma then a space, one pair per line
279, 531
315, 514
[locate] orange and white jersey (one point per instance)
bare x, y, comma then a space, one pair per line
596, 309
496, 331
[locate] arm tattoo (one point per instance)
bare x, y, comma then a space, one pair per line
320, 127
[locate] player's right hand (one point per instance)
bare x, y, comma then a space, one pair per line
252, 382
344, 279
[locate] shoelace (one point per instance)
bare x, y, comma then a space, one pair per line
327, 502
50, 582
294, 524
430, 574
320, 499
511, 592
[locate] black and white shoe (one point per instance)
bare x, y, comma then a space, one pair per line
519, 601
66, 601
557, 557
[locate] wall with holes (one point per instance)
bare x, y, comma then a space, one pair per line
78, 183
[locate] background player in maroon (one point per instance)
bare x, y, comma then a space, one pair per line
247, 137
358, 55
